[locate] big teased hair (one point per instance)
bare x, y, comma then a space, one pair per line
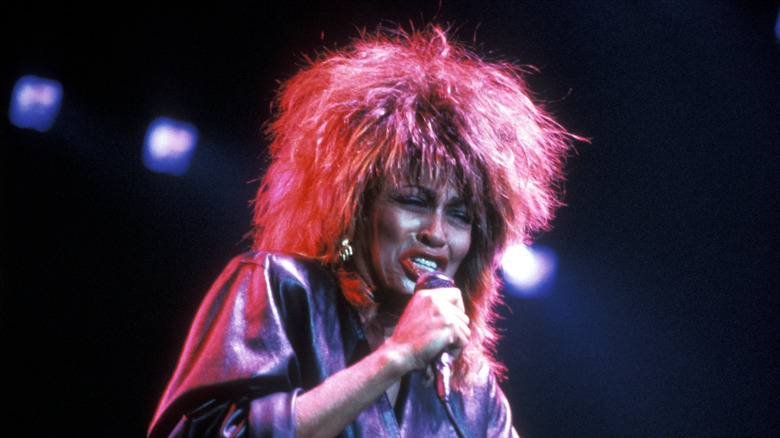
397, 106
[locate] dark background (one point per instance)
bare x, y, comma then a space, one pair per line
662, 320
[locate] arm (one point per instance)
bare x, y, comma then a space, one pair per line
328, 408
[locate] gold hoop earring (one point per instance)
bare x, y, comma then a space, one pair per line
345, 251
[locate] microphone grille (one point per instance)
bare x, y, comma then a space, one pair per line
433, 280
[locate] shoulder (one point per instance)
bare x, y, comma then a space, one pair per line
285, 276
287, 267
282, 263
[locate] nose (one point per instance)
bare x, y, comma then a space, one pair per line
433, 232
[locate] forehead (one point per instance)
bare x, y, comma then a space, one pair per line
447, 191
432, 162
439, 185
438, 174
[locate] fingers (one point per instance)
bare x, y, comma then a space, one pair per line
453, 296
434, 320
453, 314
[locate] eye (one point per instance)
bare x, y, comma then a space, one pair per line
461, 216
411, 201
412, 197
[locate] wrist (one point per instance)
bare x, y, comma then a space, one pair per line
394, 359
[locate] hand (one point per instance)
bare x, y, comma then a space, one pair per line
433, 320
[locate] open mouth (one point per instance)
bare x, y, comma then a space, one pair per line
418, 265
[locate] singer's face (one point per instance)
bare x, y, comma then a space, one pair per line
413, 229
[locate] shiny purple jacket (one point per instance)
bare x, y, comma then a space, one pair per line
275, 325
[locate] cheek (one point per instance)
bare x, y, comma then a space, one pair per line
391, 228
385, 238
461, 244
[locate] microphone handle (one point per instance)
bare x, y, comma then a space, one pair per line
443, 362
443, 375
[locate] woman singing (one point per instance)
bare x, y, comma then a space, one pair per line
400, 155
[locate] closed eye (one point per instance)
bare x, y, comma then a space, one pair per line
412, 201
462, 216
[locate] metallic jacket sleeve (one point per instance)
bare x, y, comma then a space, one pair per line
239, 371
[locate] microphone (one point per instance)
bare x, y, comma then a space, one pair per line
443, 363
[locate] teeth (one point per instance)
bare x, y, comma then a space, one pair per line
428, 265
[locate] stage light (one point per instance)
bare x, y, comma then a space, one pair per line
169, 146
777, 26
35, 103
527, 269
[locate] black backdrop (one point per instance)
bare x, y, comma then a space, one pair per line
662, 320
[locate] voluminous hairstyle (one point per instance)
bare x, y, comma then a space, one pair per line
397, 107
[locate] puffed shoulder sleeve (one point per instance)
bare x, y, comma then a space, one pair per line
240, 370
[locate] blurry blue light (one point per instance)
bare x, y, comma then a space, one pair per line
526, 270
169, 145
777, 26
35, 103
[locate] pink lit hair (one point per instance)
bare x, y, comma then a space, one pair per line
394, 107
